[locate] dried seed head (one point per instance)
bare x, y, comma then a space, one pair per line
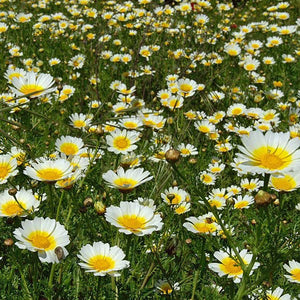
12, 192
59, 253
8, 242
172, 155
263, 198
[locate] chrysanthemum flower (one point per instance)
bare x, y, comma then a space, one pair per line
8, 167
174, 195
14, 73
164, 287
102, 259
277, 295
33, 84
294, 269
49, 170
26, 203
80, 121
252, 184
243, 202
229, 265
44, 236
126, 180
69, 145
186, 87
286, 181
132, 217
122, 141
187, 150
205, 224
18, 154
269, 153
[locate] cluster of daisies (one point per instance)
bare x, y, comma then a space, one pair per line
254, 120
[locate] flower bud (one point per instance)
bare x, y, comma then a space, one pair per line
172, 155
263, 198
100, 207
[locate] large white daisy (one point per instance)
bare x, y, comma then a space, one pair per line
269, 153
132, 217
44, 236
102, 259
33, 84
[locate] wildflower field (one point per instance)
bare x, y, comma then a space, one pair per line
149, 149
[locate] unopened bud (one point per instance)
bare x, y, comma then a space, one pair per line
263, 198
8, 242
172, 155
100, 207
88, 202
59, 253
192, 161
12, 192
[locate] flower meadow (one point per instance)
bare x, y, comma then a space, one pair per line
149, 149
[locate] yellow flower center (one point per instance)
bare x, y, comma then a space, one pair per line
271, 297
215, 203
133, 223
69, 148
237, 111
31, 88
12, 208
272, 158
231, 267
125, 183
101, 263
5, 169
121, 143
250, 67
205, 227
232, 52
79, 123
145, 52
185, 151
206, 178
42, 240
204, 129
165, 289
285, 183
50, 174
180, 210
186, 88
130, 124
241, 204
296, 274
15, 75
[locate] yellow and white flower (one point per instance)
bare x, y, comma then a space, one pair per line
131, 217
269, 153
126, 180
230, 266
285, 181
243, 202
294, 269
8, 167
49, 170
21, 204
69, 145
174, 196
102, 259
44, 236
205, 224
122, 141
32, 84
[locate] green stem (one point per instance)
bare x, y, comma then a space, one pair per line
114, 287
50, 282
195, 284
148, 275
266, 181
59, 204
